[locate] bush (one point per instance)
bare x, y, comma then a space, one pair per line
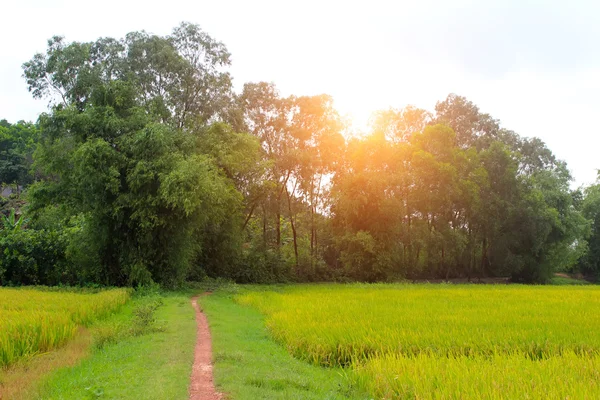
34, 257
143, 318
142, 322
362, 259
108, 334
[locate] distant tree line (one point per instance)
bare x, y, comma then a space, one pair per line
148, 167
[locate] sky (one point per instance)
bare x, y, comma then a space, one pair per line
534, 65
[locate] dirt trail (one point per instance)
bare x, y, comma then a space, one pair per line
202, 386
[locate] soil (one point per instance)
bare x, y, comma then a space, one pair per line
202, 385
562, 275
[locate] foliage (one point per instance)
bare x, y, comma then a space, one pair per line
423, 205
178, 78
144, 319
142, 322
35, 257
151, 169
589, 264
12, 222
17, 143
126, 155
301, 141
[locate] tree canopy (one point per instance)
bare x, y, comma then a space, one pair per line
148, 166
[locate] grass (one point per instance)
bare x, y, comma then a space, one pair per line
18, 381
360, 341
147, 364
35, 321
249, 365
565, 280
444, 341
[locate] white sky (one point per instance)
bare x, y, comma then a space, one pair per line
534, 65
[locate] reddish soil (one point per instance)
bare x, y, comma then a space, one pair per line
202, 386
560, 274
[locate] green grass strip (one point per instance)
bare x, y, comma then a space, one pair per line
151, 366
249, 365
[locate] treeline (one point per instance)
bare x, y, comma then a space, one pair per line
149, 167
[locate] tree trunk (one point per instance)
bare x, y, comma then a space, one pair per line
249, 215
313, 227
295, 237
278, 228
443, 264
410, 261
316, 240
312, 220
264, 226
278, 223
483, 255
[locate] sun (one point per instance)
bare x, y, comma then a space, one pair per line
357, 113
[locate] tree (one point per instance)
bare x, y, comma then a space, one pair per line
150, 168
316, 131
125, 151
17, 143
589, 263
472, 128
437, 204
266, 118
400, 125
300, 140
178, 78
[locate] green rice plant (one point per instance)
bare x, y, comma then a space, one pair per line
33, 321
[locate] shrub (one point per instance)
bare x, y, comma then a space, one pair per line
34, 257
107, 334
143, 318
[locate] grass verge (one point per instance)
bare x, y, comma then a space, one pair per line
18, 381
249, 365
154, 364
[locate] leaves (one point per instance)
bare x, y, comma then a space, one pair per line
158, 171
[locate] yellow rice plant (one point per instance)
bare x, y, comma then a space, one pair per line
334, 324
445, 341
502, 376
33, 321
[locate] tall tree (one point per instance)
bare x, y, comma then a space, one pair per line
125, 146
179, 78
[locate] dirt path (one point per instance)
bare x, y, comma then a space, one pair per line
202, 386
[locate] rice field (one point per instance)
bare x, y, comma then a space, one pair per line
444, 341
34, 321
